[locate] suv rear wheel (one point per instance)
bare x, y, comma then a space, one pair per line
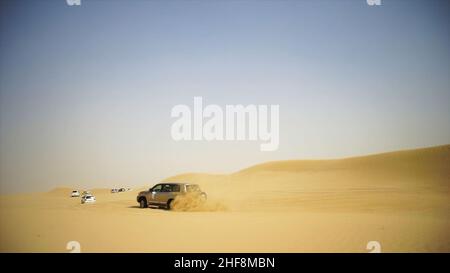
169, 204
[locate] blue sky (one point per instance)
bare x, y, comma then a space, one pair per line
86, 92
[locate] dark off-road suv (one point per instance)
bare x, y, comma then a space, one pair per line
162, 195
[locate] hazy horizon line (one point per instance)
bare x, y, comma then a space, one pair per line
66, 186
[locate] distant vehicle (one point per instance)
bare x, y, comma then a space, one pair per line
120, 190
75, 194
162, 195
89, 198
86, 193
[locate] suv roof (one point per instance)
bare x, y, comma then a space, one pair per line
175, 183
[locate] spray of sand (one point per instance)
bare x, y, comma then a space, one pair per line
191, 202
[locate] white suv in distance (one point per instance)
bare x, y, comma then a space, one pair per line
75, 194
88, 198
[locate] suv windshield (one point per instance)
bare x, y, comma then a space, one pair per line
156, 188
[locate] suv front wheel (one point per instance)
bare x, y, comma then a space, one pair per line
142, 203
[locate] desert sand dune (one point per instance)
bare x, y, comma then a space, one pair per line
399, 199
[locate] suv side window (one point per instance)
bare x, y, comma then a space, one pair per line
192, 188
166, 188
157, 188
175, 188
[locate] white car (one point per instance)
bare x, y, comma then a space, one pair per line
75, 194
87, 199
